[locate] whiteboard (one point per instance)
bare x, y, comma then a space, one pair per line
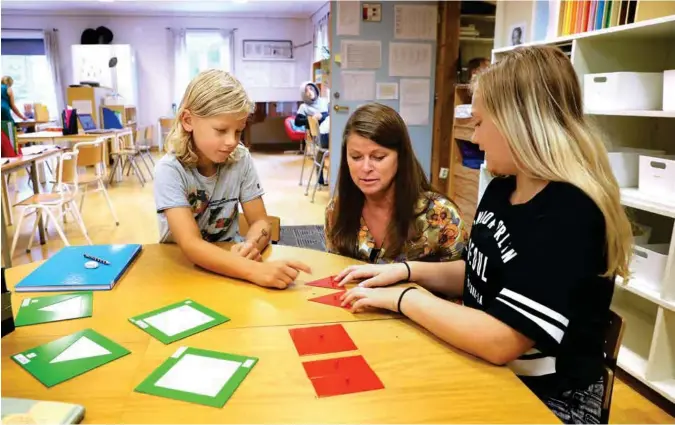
269, 80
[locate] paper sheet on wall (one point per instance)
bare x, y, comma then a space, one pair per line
268, 75
361, 54
358, 85
410, 60
415, 101
415, 22
282, 75
83, 106
386, 91
348, 17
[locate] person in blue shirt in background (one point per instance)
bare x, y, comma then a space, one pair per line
8, 104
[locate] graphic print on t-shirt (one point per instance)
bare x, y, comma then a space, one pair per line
219, 214
478, 260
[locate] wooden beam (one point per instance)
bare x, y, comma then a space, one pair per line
447, 57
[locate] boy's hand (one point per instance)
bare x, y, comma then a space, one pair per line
247, 250
278, 274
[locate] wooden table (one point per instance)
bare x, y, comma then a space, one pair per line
425, 379
15, 164
113, 137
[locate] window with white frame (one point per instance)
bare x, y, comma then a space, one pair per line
24, 60
321, 48
207, 49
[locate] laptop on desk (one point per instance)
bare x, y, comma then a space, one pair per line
89, 126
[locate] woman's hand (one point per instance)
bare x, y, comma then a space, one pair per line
374, 275
361, 299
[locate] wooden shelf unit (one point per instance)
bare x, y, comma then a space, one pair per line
321, 76
648, 348
94, 95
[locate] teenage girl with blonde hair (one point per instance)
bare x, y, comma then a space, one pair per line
208, 173
548, 240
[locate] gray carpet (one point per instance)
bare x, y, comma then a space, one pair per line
310, 237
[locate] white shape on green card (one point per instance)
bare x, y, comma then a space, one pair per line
83, 348
71, 305
199, 375
178, 320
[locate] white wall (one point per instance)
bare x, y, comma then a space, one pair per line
510, 13
152, 44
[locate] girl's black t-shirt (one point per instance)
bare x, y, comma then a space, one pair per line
537, 268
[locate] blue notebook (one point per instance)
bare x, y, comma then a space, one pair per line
66, 270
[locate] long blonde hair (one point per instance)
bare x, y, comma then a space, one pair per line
7, 80
533, 96
210, 93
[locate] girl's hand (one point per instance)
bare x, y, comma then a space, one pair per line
278, 274
361, 299
375, 275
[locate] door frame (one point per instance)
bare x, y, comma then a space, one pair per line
447, 57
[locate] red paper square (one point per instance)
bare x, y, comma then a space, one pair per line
331, 299
347, 375
326, 282
321, 340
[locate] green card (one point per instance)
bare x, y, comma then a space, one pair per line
54, 308
70, 356
198, 376
177, 321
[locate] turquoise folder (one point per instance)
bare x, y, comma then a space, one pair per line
65, 271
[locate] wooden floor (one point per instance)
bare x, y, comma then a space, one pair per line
279, 174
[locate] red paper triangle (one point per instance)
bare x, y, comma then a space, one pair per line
331, 299
321, 339
326, 282
342, 376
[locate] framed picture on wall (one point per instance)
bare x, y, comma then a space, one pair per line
268, 50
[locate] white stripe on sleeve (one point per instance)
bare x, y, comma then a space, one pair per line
535, 305
533, 367
552, 330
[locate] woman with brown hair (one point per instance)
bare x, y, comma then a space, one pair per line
385, 210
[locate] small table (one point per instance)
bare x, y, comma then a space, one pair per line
11, 165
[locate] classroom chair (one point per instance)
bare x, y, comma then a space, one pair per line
318, 158
311, 143
274, 221
295, 134
91, 154
124, 156
146, 147
165, 125
62, 201
613, 337
141, 143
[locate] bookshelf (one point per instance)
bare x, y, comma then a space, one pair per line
574, 17
648, 347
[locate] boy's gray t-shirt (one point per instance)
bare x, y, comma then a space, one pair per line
213, 200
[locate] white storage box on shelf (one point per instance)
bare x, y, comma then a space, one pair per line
657, 176
625, 163
641, 233
623, 91
669, 90
648, 264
